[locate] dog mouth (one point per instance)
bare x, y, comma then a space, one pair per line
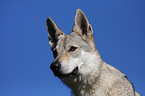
61, 76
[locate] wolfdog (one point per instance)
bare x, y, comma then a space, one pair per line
79, 65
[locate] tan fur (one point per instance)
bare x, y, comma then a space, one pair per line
64, 58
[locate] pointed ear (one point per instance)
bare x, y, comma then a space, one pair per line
53, 32
81, 24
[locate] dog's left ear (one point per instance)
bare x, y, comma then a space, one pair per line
81, 25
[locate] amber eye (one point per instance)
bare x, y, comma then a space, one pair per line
72, 48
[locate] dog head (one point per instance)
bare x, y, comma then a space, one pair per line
72, 53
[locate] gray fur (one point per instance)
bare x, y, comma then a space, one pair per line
94, 77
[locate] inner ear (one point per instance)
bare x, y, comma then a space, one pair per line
84, 26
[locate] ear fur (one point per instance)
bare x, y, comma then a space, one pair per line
81, 24
53, 32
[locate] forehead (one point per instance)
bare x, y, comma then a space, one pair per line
73, 39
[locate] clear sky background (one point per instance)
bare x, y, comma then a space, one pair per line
25, 56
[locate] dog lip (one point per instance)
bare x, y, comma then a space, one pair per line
61, 76
75, 71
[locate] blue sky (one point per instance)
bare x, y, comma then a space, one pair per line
25, 56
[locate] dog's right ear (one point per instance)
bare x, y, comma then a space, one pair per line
53, 32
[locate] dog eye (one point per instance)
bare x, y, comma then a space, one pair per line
72, 48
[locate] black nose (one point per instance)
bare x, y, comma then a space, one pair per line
55, 67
